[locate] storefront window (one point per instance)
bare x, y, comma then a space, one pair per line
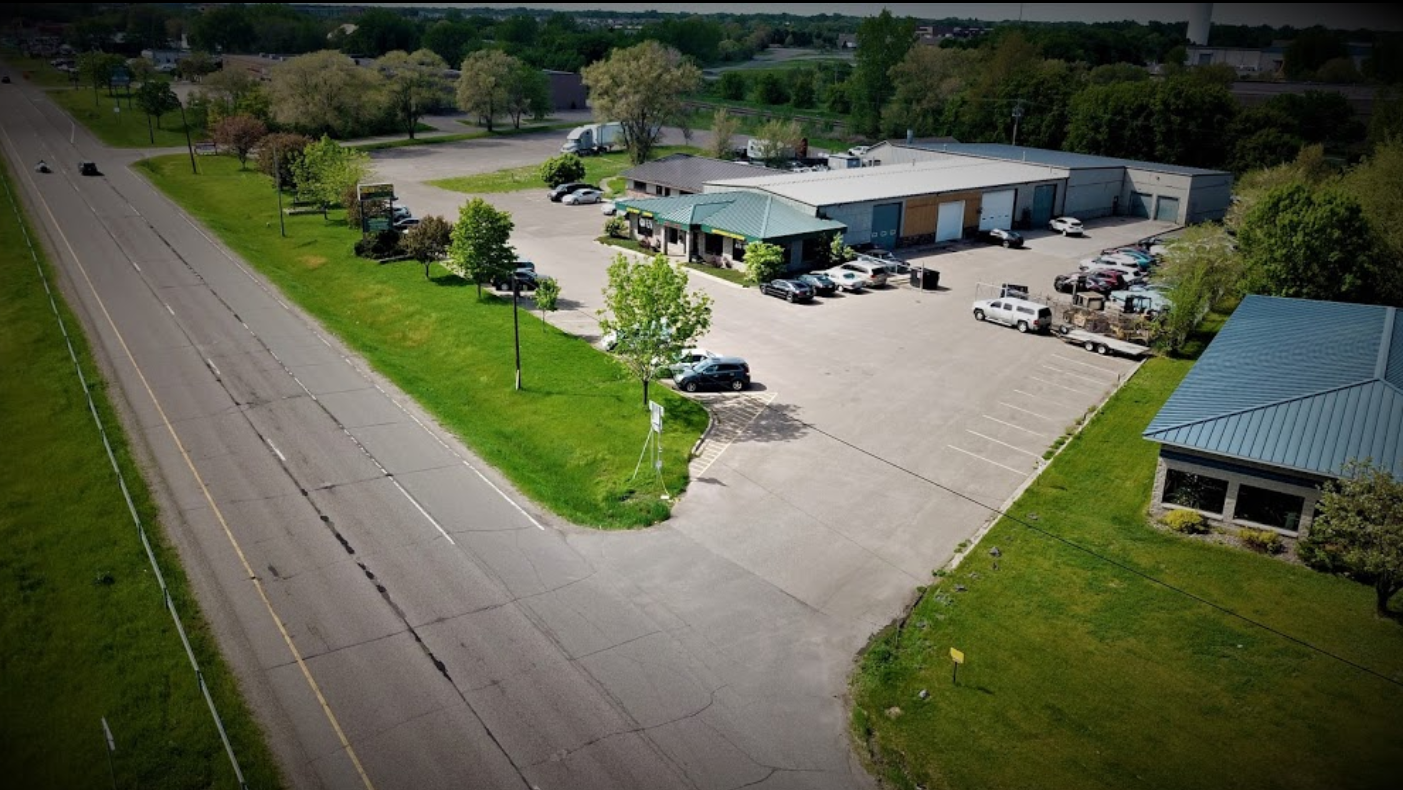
1199, 492
1269, 508
738, 251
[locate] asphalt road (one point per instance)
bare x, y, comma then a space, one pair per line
397, 615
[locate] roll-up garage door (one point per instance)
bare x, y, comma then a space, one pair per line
996, 209
951, 223
1167, 209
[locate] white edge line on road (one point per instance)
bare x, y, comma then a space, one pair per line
1059, 386
1016, 427
210, 362
134, 266
1005, 444
214, 508
425, 513
986, 460
1107, 371
168, 308
1025, 411
276, 451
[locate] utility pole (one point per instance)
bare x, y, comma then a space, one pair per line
278, 181
188, 145
516, 325
1017, 116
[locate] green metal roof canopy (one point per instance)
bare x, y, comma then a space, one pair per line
743, 215
1295, 384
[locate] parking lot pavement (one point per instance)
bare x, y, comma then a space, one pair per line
882, 426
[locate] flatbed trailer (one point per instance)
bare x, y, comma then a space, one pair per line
1100, 344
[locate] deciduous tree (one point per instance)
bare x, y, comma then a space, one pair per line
324, 93
882, 42
1201, 267
481, 246
155, 98
723, 131
1377, 183
528, 93
652, 314
240, 134
642, 88
484, 83
547, 296
1310, 244
97, 68
778, 141
428, 241
279, 154
327, 170
1359, 530
562, 169
414, 83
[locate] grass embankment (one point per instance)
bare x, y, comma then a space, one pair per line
1083, 675
514, 179
125, 129
84, 632
570, 440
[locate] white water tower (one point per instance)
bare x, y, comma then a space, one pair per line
1200, 19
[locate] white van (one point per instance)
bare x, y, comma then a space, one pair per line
1021, 314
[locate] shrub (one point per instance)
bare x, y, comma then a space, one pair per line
384, 244
429, 240
616, 227
288, 147
1261, 540
562, 169
1188, 522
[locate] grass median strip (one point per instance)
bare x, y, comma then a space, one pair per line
117, 124
1080, 674
84, 633
514, 179
570, 440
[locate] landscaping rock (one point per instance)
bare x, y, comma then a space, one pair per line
893, 712
959, 588
924, 694
994, 552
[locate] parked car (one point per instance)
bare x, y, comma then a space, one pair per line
720, 372
561, 191
610, 340
1001, 236
846, 280
400, 212
406, 223
86, 168
525, 279
874, 274
859, 150
822, 284
1067, 226
885, 257
1145, 258
1077, 282
582, 196
1131, 273
788, 290
1129, 259
684, 361
1021, 314
607, 208
5, 79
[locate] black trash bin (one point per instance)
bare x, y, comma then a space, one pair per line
925, 279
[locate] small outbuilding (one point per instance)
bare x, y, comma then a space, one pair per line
716, 227
684, 174
1287, 394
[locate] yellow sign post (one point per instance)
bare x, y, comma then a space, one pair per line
956, 659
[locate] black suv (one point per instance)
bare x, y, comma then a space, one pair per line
561, 191
729, 372
525, 279
1001, 236
88, 169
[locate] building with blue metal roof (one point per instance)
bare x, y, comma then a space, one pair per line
1287, 394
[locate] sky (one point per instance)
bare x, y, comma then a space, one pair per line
1348, 16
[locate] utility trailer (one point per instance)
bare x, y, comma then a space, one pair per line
1100, 344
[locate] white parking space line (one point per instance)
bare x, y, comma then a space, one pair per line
1005, 444
1073, 375
1025, 411
1059, 386
986, 460
1015, 427
1107, 371
1043, 398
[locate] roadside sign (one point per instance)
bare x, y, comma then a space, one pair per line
120, 76
375, 191
655, 410
957, 656
206, 148
377, 224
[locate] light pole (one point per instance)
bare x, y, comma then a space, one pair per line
1017, 115
516, 325
278, 185
188, 145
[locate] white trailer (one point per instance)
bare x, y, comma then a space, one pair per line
593, 138
1100, 344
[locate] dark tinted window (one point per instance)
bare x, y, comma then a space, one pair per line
1044, 313
1026, 310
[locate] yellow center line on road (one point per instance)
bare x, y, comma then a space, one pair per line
199, 480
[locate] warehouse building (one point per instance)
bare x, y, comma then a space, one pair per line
684, 174
1092, 186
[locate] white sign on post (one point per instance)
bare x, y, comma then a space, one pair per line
655, 409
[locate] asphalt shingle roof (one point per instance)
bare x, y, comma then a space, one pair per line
747, 214
688, 173
1296, 384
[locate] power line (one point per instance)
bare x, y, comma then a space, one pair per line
1108, 560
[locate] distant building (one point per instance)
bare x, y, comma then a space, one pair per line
164, 57
1266, 60
567, 90
684, 174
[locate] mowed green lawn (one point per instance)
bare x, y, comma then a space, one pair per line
597, 169
570, 440
84, 632
1080, 674
125, 129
